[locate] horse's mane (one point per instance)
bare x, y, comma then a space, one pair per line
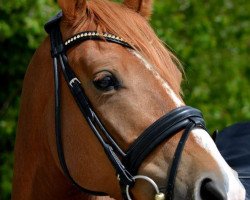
119, 20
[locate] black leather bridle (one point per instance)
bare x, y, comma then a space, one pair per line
126, 163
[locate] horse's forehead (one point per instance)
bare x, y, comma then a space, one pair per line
96, 54
98, 50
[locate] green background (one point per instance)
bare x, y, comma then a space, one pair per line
211, 38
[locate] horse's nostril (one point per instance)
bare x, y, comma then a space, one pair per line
210, 191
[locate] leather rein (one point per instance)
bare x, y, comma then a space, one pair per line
126, 164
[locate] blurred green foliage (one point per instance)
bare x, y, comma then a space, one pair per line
211, 38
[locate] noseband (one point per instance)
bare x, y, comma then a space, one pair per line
126, 163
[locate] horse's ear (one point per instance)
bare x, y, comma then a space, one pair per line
144, 7
72, 8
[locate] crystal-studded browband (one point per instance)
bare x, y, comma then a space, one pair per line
94, 35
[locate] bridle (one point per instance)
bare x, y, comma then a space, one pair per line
126, 163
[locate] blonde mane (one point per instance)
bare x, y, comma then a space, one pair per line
119, 20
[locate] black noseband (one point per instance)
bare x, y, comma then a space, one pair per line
165, 127
183, 118
127, 163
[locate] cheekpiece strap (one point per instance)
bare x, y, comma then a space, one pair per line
60, 63
57, 53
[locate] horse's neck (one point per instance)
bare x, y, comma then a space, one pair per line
36, 177
36, 174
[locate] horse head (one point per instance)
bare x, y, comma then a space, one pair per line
132, 86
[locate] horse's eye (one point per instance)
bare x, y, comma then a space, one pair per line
106, 81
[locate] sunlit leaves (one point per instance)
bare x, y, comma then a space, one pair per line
212, 40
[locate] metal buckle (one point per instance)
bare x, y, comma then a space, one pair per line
73, 80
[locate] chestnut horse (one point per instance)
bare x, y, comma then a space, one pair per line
129, 86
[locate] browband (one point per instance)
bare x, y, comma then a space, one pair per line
94, 35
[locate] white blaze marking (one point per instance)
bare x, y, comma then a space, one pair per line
233, 185
165, 85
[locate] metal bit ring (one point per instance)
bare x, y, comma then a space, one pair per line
158, 195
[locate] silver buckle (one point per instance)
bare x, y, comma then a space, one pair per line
74, 80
